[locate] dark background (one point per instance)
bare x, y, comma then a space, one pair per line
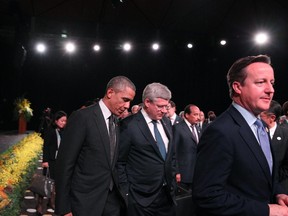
198, 75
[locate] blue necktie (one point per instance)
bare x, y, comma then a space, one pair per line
264, 143
159, 140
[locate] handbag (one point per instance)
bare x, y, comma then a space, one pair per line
42, 184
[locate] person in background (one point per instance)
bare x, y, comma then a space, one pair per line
234, 167
86, 180
45, 121
135, 108
146, 163
211, 116
202, 123
171, 113
285, 113
52, 139
124, 115
279, 137
186, 138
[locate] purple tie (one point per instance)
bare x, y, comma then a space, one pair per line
264, 143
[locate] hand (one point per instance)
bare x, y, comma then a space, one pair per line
69, 214
282, 199
45, 164
178, 177
278, 210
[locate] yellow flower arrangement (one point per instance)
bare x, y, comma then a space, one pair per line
22, 107
14, 164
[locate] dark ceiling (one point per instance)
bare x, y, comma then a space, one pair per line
195, 76
173, 19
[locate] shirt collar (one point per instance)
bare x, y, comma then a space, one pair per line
106, 112
146, 116
249, 117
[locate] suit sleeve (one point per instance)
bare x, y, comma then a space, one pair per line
211, 190
48, 142
124, 148
69, 150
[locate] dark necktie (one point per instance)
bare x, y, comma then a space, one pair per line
194, 131
112, 136
264, 143
159, 140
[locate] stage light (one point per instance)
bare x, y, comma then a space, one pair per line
261, 38
127, 47
155, 46
223, 42
70, 47
96, 47
40, 47
189, 45
63, 35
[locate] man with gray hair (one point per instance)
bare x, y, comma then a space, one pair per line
146, 163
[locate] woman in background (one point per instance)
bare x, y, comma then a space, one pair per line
52, 138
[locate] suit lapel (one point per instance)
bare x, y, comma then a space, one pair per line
248, 136
102, 127
187, 130
168, 130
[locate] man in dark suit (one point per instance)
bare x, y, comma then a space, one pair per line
171, 113
232, 173
285, 113
86, 180
202, 122
186, 138
279, 137
146, 161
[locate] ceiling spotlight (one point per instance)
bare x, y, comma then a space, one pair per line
189, 45
127, 46
96, 47
40, 47
261, 38
223, 42
70, 47
155, 46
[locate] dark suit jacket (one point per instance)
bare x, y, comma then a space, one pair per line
50, 147
186, 150
280, 150
232, 175
177, 120
84, 171
142, 170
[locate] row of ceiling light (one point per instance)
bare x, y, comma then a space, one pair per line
70, 47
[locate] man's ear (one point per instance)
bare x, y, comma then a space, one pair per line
109, 93
237, 87
273, 117
146, 102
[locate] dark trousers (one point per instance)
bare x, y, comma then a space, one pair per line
113, 204
161, 206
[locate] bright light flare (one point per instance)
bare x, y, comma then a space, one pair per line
223, 42
127, 47
96, 47
70, 47
190, 45
40, 47
261, 38
155, 46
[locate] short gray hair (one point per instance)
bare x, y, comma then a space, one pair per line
156, 90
